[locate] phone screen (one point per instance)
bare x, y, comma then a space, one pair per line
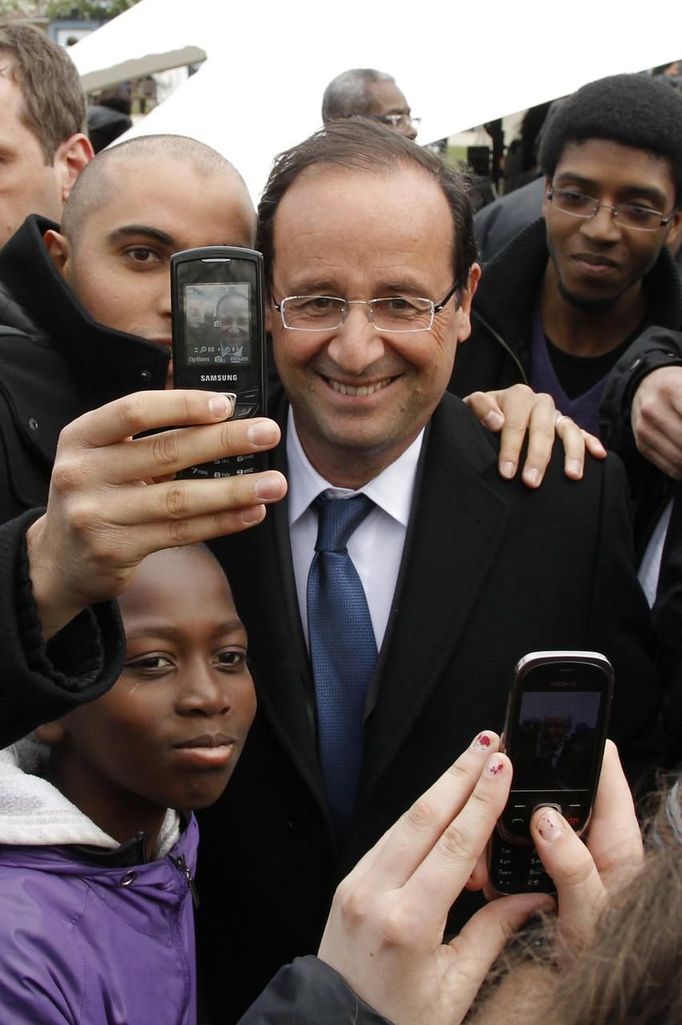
219, 324
556, 740
219, 336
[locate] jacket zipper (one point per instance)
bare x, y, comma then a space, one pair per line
183, 867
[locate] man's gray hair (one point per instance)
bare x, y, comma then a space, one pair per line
349, 93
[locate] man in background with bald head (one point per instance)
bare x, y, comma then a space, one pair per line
366, 92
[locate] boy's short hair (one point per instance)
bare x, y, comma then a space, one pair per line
633, 110
53, 100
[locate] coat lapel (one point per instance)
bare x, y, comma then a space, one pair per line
276, 641
456, 528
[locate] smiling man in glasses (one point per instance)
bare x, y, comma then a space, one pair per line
563, 301
388, 599
365, 92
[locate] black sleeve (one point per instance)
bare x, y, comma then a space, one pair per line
620, 620
655, 348
40, 681
309, 992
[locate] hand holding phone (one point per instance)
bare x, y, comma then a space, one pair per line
554, 734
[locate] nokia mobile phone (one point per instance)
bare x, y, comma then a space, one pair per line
219, 336
554, 734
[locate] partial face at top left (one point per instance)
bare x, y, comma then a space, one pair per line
29, 185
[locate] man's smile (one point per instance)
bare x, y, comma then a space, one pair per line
357, 390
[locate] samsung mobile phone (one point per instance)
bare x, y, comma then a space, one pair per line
554, 734
219, 335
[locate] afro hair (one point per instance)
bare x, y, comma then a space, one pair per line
633, 110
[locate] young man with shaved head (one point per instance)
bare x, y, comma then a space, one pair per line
87, 322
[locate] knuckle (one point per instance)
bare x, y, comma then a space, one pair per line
456, 842
165, 449
177, 502
227, 440
397, 924
521, 389
353, 901
67, 474
421, 814
83, 514
131, 413
179, 533
648, 409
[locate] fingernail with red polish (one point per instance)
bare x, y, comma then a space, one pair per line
482, 742
495, 766
550, 825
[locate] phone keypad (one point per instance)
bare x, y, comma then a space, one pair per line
234, 466
516, 868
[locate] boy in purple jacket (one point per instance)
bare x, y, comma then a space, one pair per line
98, 844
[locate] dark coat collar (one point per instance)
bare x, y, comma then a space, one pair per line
34, 299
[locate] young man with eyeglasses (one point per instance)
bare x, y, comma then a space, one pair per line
562, 302
389, 597
365, 92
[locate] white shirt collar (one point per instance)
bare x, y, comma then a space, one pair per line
391, 490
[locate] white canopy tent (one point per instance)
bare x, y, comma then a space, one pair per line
267, 64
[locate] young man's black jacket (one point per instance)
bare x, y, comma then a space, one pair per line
652, 490
55, 364
497, 354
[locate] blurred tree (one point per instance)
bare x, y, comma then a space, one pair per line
96, 10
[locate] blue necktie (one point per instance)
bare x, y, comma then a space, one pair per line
343, 650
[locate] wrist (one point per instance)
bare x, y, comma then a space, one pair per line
54, 606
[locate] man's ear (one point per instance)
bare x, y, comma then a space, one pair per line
674, 239
467, 295
51, 733
545, 200
57, 246
70, 158
268, 314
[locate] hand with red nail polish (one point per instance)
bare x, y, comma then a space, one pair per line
585, 872
385, 930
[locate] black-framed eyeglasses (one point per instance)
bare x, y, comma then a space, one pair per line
397, 120
630, 215
396, 313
